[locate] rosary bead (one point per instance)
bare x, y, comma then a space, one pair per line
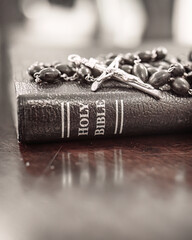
127, 68
64, 69
84, 71
161, 53
180, 86
111, 56
145, 56
147, 65
187, 66
190, 56
159, 79
163, 65
160, 64
55, 63
176, 70
151, 71
108, 61
49, 74
140, 71
34, 68
155, 64
130, 58
47, 65
179, 59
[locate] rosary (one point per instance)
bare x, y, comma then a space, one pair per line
149, 71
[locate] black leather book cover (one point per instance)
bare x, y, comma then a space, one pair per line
69, 110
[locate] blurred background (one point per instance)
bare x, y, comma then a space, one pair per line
144, 190
111, 23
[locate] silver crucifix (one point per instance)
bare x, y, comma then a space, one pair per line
114, 72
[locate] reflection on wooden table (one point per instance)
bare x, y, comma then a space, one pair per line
112, 162
96, 189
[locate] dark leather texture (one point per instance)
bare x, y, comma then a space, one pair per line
127, 112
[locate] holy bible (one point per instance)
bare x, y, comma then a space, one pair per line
71, 111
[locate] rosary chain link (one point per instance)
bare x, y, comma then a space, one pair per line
90, 78
190, 91
72, 78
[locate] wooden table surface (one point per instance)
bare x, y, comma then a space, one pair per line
126, 188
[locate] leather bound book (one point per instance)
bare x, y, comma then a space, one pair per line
71, 111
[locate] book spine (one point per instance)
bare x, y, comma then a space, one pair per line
101, 115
